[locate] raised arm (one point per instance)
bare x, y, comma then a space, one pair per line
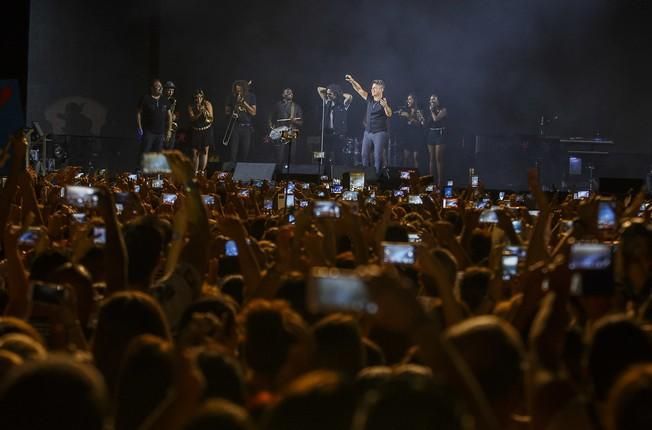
139, 122
18, 144
348, 98
115, 250
250, 108
191, 113
322, 92
385, 104
30, 201
195, 251
439, 116
20, 300
356, 86
208, 106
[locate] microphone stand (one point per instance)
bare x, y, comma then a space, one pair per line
292, 136
321, 141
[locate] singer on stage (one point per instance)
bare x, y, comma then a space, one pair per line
411, 131
378, 113
336, 106
435, 125
201, 119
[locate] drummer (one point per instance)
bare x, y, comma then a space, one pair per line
286, 115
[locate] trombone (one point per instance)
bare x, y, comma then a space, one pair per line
237, 107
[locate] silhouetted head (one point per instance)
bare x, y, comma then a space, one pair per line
617, 344
56, 393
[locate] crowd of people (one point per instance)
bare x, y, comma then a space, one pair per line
175, 301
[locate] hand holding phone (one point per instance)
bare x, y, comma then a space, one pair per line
398, 253
208, 200
326, 209
589, 256
99, 235
332, 290
607, 219
231, 248
81, 197
509, 266
169, 198
155, 162
488, 216
350, 195
30, 237
43, 292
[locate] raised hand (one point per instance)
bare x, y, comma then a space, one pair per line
180, 165
232, 227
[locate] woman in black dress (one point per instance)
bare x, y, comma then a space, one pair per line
201, 121
435, 126
412, 131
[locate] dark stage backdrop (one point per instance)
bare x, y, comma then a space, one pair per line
498, 65
88, 65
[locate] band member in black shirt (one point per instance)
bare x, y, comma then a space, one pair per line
169, 90
378, 112
286, 115
154, 119
411, 135
243, 103
335, 121
201, 119
435, 126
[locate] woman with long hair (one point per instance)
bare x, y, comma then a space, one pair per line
412, 139
201, 119
435, 124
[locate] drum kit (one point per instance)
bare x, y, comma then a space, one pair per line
284, 133
352, 151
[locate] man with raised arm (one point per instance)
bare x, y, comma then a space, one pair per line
336, 107
376, 119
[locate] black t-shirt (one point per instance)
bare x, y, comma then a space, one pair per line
376, 118
154, 113
284, 110
336, 121
243, 115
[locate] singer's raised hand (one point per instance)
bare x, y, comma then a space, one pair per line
348, 78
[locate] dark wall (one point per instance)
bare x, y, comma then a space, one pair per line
88, 64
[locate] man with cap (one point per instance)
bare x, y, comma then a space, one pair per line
169, 90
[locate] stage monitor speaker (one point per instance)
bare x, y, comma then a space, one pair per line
620, 186
369, 172
390, 178
301, 172
253, 171
219, 166
227, 166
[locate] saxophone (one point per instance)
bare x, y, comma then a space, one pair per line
173, 107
